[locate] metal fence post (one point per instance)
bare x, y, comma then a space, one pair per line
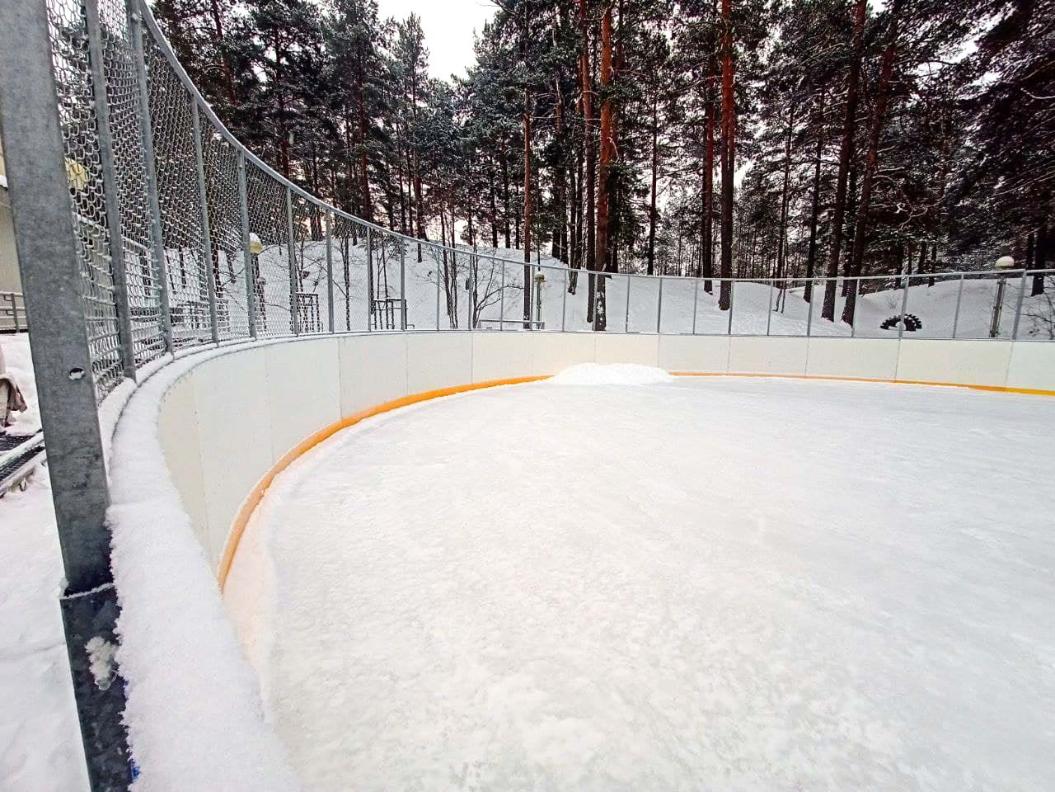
501, 299
294, 306
46, 238
809, 311
327, 220
369, 280
904, 307
111, 192
206, 233
659, 307
769, 306
626, 317
857, 304
695, 302
1018, 305
247, 252
146, 129
732, 285
403, 281
563, 301
956, 316
438, 289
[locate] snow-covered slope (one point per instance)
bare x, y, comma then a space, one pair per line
633, 302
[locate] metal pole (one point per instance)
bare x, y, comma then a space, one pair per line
769, 306
437, 289
146, 128
294, 308
626, 321
695, 302
247, 254
857, 304
46, 238
904, 307
1018, 305
206, 235
809, 311
369, 280
956, 316
111, 192
732, 285
563, 302
403, 282
327, 220
659, 307
501, 300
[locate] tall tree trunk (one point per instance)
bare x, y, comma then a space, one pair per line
528, 207
586, 79
655, 177
815, 203
728, 154
782, 235
494, 202
886, 73
707, 234
604, 182
559, 178
845, 151
364, 171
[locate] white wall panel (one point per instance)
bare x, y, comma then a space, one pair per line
963, 362
1032, 366
748, 355
178, 434
373, 370
303, 390
707, 354
620, 348
234, 431
554, 352
852, 357
500, 355
438, 360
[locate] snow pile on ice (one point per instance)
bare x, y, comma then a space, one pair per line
194, 713
611, 374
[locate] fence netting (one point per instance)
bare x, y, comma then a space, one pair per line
184, 238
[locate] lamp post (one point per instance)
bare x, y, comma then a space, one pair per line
540, 278
1003, 264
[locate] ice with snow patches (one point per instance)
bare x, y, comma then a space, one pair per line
611, 374
719, 583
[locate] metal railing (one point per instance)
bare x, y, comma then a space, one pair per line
144, 228
13, 313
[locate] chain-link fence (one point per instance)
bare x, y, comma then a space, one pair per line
185, 238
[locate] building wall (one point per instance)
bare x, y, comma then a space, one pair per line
9, 277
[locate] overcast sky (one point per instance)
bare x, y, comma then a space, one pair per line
448, 26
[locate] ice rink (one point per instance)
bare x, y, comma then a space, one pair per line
707, 583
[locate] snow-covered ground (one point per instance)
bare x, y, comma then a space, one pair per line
39, 739
723, 584
634, 303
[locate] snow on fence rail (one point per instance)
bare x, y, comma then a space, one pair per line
146, 229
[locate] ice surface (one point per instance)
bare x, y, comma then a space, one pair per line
724, 584
611, 374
